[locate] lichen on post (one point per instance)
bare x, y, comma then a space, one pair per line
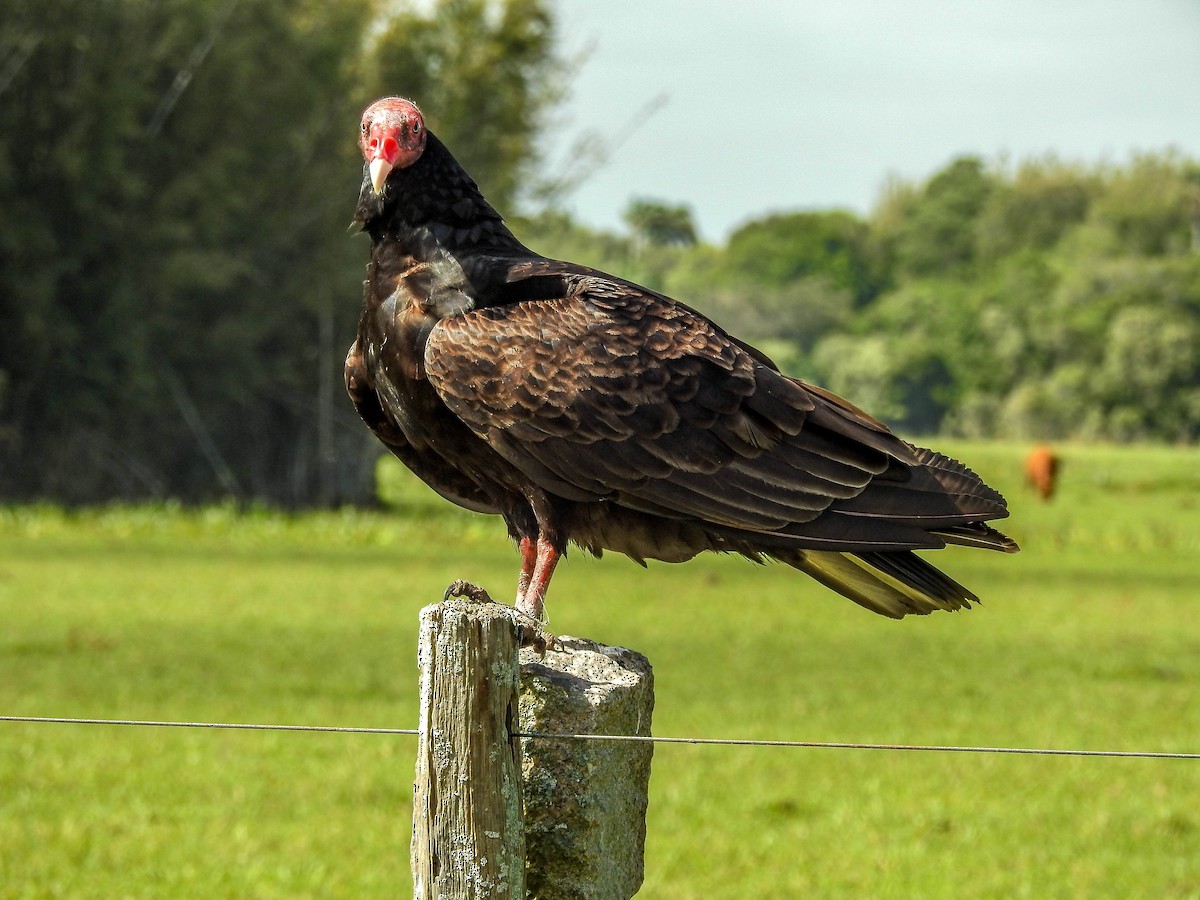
468, 837
585, 800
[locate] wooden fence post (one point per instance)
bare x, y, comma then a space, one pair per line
584, 800
468, 834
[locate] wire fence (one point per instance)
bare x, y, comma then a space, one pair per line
631, 738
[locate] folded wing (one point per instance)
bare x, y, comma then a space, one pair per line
612, 392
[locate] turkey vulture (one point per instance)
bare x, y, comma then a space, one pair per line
584, 408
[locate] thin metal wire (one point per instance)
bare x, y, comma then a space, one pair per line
634, 738
231, 725
840, 745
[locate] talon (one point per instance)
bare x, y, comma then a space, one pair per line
536, 637
531, 633
466, 591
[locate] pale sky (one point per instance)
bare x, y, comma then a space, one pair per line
812, 104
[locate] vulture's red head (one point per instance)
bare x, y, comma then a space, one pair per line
393, 137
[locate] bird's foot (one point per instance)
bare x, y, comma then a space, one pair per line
530, 632
533, 613
467, 591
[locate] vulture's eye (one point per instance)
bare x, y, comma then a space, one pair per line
416, 129
364, 126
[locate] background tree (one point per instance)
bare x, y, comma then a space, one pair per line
1032, 209
786, 279
177, 287
660, 224
935, 234
784, 248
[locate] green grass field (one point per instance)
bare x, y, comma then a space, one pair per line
1089, 638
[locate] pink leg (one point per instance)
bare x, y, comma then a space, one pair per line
532, 600
528, 561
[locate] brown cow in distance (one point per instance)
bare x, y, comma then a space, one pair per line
1041, 470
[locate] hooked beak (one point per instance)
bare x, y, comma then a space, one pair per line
383, 152
380, 167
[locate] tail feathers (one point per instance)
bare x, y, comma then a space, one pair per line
937, 492
891, 584
977, 534
959, 480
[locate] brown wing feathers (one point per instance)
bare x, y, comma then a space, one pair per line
644, 403
715, 435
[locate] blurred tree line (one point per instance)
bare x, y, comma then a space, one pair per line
178, 283
177, 274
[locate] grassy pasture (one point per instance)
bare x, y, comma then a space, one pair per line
1090, 638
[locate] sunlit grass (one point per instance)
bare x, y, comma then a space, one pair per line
1089, 638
